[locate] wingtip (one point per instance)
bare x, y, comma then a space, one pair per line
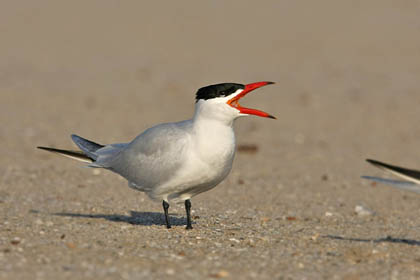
47, 149
374, 162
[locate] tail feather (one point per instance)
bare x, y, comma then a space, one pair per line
77, 155
87, 153
97, 155
88, 147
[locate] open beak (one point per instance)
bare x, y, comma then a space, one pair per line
234, 102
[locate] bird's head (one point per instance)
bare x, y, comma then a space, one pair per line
221, 101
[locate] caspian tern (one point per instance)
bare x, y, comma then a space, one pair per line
172, 162
412, 177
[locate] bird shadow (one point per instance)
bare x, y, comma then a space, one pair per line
135, 218
388, 239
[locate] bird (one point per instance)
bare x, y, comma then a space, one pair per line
172, 162
412, 177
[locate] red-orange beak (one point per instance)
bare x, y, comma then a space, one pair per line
234, 102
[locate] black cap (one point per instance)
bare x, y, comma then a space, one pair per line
219, 90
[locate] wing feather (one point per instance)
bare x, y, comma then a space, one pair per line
403, 185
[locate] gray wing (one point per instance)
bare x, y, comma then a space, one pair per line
412, 176
403, 185
154, 156
106, 154
405, 173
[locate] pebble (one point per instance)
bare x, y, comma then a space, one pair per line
315, 237
362, 211
265, 219
70, 245
301, 265
96, 171
220, 274
247, 148
15, 241
218, 245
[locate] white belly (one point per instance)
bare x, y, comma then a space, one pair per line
206, 165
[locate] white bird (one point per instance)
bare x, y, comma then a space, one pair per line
412, 176
172, 162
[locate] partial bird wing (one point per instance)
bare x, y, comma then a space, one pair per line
404, 185
154, 156
408, 174
413, 176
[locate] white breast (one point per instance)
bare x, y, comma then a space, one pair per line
208, 161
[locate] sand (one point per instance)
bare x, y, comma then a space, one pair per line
347, 88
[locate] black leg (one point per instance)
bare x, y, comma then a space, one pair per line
188, 209
165, 209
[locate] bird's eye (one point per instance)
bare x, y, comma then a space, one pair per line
227, 91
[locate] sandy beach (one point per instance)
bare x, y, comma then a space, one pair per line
347, 88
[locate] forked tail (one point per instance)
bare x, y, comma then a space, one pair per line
87, 153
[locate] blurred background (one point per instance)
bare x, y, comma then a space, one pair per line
346, 72
347, 88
